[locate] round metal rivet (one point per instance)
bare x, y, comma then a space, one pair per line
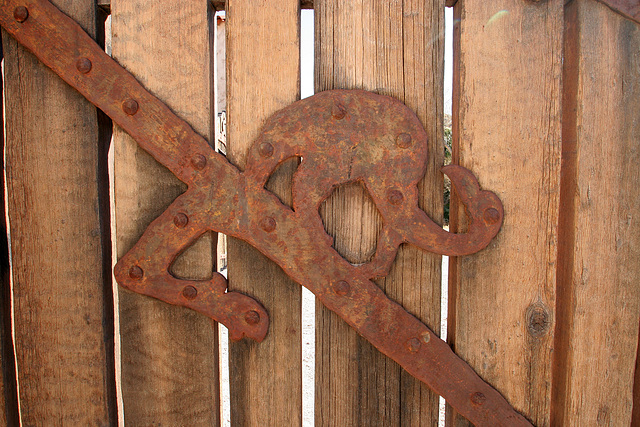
199, 161
403, 140
395, 197
341, 288
84, 65
130, 106
20, 14
265, 149
478, 398
425, 337
491, 216
189, 292
181, 220
413, 345
252, 317
268, 224
338, 112
136, 272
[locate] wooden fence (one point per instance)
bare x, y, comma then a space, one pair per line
546, 113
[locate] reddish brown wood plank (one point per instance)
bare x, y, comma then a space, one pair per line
394, 49
169, 354
8, 384
59, 241
263, 76
598, 270
507, 131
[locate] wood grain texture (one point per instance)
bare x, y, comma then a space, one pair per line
263, 76
8, 384
169, 354
62, 294
507, 117
629, 8
396, 49
599, 273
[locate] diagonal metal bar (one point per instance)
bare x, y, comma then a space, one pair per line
356, 127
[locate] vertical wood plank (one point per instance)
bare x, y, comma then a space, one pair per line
62, 293
507, 131
599, 273
169, 354
263, 76
8, 384
396, 49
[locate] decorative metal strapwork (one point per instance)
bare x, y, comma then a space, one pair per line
343, 136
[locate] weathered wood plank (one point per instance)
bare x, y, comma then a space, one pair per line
217, 4
169, 354
263, 76
599, 273
394, 49
507, 131
59, 242
8, 384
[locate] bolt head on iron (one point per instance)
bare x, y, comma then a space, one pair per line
130, 106
491, 216
268, 224
265, 149
403, 140
252, 317
338, 112
189, 292
136, 273
395, 197
199, 161
425, 337
180, 220
413, 345
20, 14
341, 288
84, 65
478, 398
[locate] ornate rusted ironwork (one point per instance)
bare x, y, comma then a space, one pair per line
342, 136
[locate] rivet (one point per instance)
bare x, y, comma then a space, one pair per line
425, 337
403, 140
338, 112
341, 288
181, 220
83, 65
265, 149
268, 224
130, 106
189, 292
478, 398
413, 345
20, 14
395, 197
136, 272
491, 216
199, 161
252, 317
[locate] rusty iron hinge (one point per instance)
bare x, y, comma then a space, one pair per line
343, 135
